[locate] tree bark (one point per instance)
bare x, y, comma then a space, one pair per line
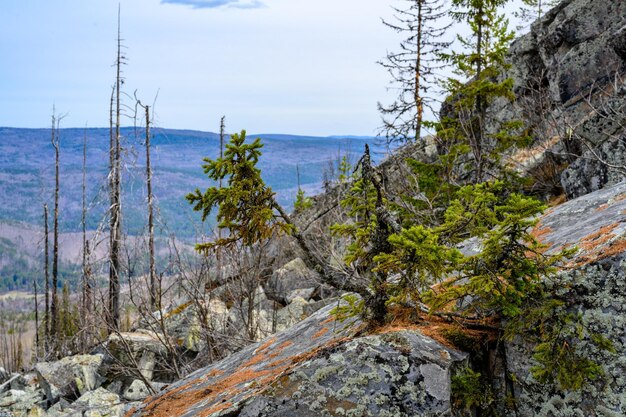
47, 283
55, 243
155, 293
116, 217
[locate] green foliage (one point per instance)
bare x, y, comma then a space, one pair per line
556, 331
345, 169
481, 61
355, 307
302, 202
245, 204
470, 390
361, 204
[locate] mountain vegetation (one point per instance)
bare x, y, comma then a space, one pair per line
450, 278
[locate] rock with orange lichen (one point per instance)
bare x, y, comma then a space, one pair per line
593, 283
320, 367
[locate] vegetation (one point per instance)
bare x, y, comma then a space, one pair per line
455, 243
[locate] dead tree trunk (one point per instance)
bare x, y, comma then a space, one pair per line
55, 244
37, 345
155, 293
116, 209
87, 291
46, 252
218, 253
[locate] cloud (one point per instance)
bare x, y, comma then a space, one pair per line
212, 4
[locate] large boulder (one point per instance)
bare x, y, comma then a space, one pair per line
70, 377
319, 367
186, 323
568, 74
594, 283
292, 276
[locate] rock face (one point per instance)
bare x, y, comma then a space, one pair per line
569, 75
595, 279
319, 367
293, 276
69, 377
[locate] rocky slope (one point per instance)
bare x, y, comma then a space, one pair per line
567, 74
319, 367
570, 86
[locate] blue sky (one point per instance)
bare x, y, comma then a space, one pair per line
288, 66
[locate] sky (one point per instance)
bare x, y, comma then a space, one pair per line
270, 66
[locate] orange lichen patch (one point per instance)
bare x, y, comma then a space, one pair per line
600, 237
173, 403
539, 232
206, 397
603, 207
330, 319
213, 373
261, 354
216, 408
279, 349
614, 248
320, 332
265, 345
284, 345
620, 197
177, 310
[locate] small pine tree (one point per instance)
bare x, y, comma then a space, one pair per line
368, 233
246, 205
302, 201
468, 127
345, 169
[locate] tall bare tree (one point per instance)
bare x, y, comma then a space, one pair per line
46, 252
87, 290
413, 67
116, 202
155, 293
56, 120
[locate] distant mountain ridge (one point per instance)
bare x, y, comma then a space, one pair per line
26, 170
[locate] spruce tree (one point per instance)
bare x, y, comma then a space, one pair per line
531, 10
467, 127
413, 67
246, 204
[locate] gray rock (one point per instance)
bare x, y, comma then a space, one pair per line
290, 315
142, 348
184, 322
568, 75
292, 276
69, 377
317, 368
20, 402
593, 282
305, 293
99, 403
137, 391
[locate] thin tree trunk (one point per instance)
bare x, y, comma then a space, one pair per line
87, 306
218, 253
47, 283
36, 319
55, 243
116, 220
155, 293
419, 102
480, 104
